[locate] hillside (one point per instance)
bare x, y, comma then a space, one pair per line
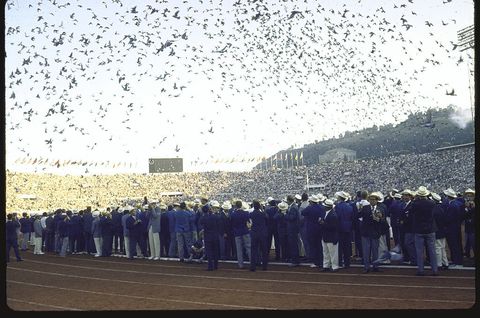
420, 133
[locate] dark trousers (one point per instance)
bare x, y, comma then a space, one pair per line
73, 241
134, 240
455, 247
316, 248
469, 243
283, 242
164, 244
49, 241
212, 252
107, 242
230, 247
273, 233
358, 241
259, 249
293, 253
344, 248
396, 235
118, 243
89, 243
13, 243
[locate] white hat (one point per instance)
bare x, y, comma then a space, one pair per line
298, 196
214, 204
328, 203
270, 199
245, 206
226, 205
283, 206
197, 201
397, 195
422, 191
407, 192
343, 194
321, 197
450, 192
95, 213
436, 197
471, 191
162, 206
314, 198
376, 194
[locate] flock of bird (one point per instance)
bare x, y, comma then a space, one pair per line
78, 57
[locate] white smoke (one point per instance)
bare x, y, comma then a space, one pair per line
461, 117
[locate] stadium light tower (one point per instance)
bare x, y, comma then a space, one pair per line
466, 40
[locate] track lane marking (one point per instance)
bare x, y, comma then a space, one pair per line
242, 290
261, 279
40, 304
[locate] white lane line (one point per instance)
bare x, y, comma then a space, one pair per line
39, 304
286, 272
261, 279
242, 290
140, 297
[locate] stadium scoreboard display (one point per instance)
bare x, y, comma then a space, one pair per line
160, 165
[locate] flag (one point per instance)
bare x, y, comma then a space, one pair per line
301, 155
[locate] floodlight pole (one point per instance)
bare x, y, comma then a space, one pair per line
466, 40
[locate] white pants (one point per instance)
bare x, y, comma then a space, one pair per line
441, 252
38, 245
154, 242
330, 255
126, 242
382, 245
98, 245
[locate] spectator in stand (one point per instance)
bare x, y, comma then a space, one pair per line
424, 228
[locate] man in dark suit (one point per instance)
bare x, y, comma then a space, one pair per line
406, 220
11, 227
440, 241
424, 228
345, 220
312, 214
258, 236
455, 217
292, 217
330, 234
209, 222
370, 229
135, 231
271, 210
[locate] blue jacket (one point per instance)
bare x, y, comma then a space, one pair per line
171, 220
87, 222
210, 225
330, 228
25, 225
96, 228
440, 220
395, 209
11, 230
154, 219
259, 223
281, 223
406, 219
134, 226
312, 213
369, 227
164, 224
239, 222
106, 225
271, 222
454, 215
422, 213
63, 228
183, 221
293, 219
117, 223
345, 216
126, 231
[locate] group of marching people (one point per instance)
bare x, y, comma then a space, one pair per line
304, 228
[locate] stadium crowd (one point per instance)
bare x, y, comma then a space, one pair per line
437, 171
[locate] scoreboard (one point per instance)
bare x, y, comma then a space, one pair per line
159, 165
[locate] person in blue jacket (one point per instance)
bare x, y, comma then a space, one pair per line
345, 221
292, 216
11, 227
183, 230
63, 228
455, 216
395, 209
135, 229
440, 241
279, 217
271, 209
209, 222
313, 229
173, 247
258, 236
240, 220
469, 222
106, 223
164, 231
25, 230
